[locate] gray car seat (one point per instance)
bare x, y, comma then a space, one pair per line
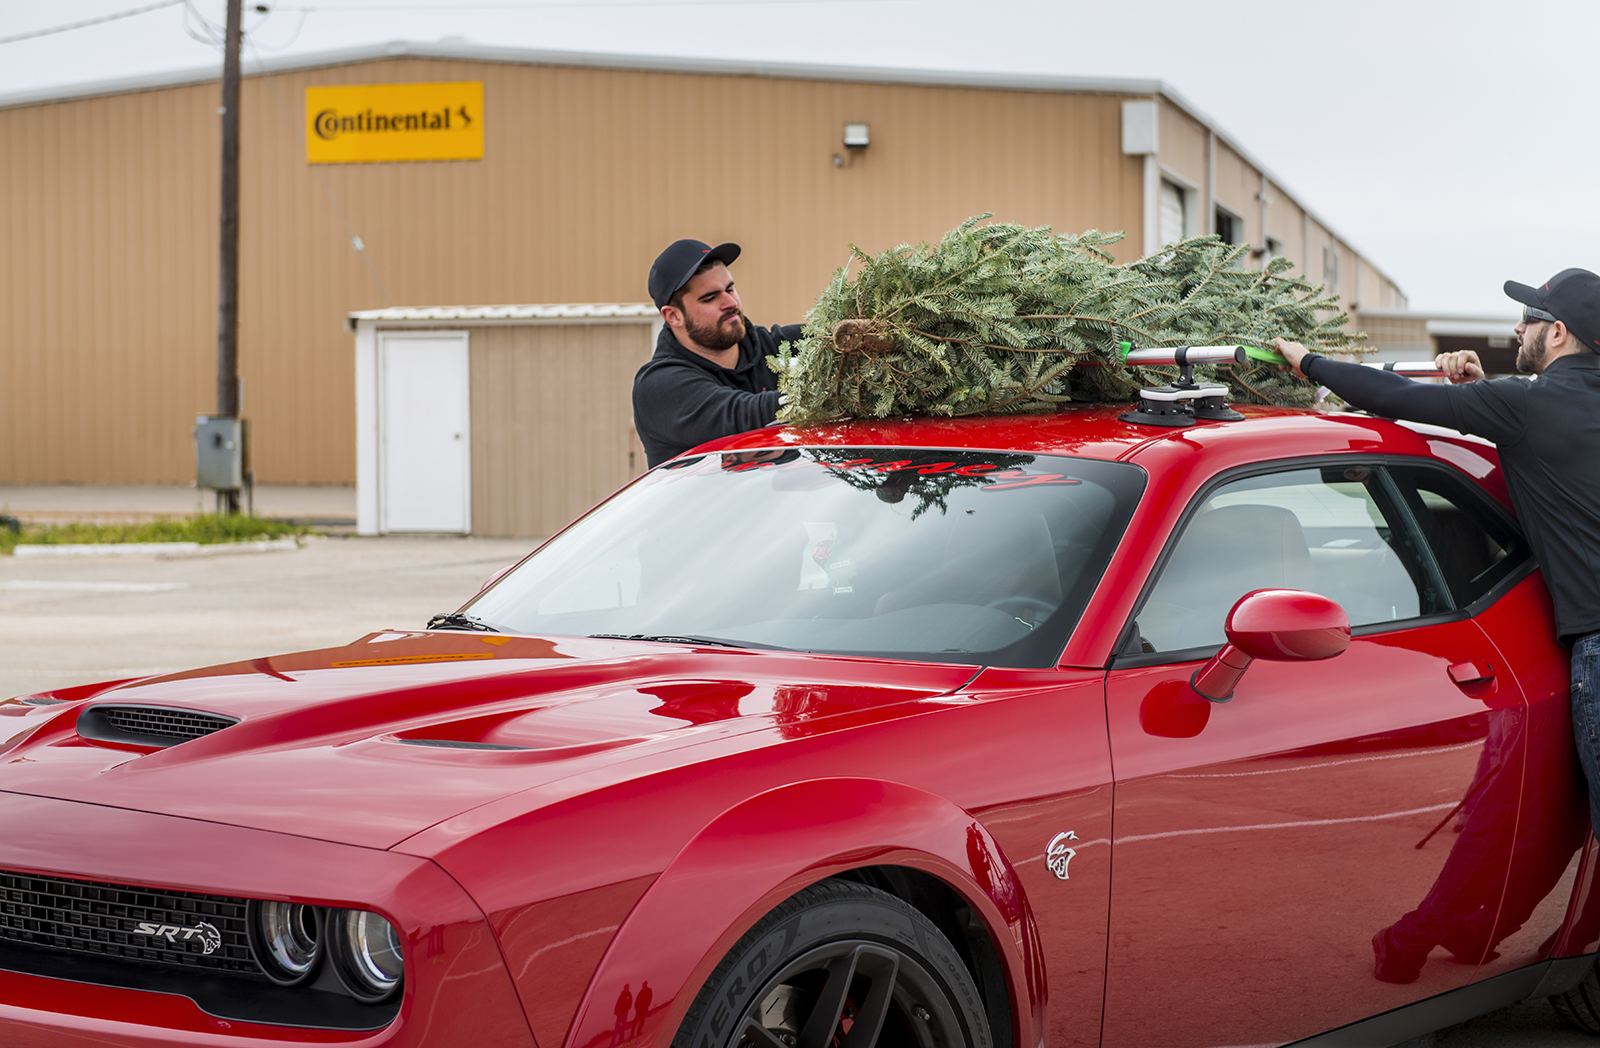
1225, 553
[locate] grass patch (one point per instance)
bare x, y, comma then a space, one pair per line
203, 528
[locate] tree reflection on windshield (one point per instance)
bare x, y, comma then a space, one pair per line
836, 550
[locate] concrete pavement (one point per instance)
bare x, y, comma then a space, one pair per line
74, 621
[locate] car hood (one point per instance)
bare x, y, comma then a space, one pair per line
371, 743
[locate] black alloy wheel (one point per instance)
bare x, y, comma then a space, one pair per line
839, 965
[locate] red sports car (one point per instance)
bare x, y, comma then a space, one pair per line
1047, 730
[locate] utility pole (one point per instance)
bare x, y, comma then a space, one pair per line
228, 261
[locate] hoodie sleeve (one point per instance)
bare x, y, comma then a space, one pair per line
677, 406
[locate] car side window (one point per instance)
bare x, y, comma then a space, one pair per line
1474, 546
1333, 530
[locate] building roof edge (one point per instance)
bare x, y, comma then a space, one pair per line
591, 59
466, 51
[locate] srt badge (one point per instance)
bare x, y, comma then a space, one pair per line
204, 933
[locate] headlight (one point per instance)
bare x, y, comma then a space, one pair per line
287, 940
366, 954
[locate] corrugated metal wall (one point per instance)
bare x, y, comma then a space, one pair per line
107, 230
108, 243
552, 421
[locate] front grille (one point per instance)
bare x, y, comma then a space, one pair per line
88, 917
148, 725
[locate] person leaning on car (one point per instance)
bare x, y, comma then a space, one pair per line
1548, 434
708, 377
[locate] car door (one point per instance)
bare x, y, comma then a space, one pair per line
1478, 552
1282, 861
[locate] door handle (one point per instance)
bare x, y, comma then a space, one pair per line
1476, 675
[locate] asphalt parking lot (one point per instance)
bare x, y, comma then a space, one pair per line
74, 621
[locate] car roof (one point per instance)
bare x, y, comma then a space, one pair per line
1097, 431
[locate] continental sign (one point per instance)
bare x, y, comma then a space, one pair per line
364, 123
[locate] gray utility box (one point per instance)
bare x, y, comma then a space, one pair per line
219, 452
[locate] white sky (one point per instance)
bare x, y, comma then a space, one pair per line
1451, 141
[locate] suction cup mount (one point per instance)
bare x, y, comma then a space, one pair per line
1185, 401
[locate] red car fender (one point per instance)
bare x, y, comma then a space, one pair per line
763, 850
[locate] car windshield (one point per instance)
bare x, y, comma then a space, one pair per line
944, 556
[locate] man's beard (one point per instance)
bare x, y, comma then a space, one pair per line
715, 336
1530, 355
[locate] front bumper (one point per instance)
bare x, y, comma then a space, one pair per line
456, 987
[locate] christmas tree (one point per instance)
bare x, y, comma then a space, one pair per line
999, 319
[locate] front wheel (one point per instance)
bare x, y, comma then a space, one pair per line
839, 965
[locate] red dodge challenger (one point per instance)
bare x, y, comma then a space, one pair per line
1034, 731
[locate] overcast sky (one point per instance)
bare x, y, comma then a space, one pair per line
1450, 141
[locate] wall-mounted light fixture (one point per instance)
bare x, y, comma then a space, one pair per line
856, 136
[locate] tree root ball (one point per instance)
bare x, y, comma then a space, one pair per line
861, 335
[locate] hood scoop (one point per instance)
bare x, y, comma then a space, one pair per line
148, 726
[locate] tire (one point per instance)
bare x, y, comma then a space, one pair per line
784, 985
1579, 1007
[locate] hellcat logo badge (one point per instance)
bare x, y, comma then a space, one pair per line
1058, 855
204, 933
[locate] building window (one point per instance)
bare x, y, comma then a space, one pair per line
1174, 212
1230, 227
1330, 267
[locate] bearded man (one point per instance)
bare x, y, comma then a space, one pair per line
709, 376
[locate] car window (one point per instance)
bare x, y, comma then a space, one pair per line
952, 556
1474, 546
1333, 530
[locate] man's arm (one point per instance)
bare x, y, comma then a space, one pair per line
1381, 392
680, 406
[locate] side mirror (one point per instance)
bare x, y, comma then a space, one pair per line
1275, 624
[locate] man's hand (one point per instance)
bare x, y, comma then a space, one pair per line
1463, 366
1293, 352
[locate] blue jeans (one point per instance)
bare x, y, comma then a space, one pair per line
1586, 716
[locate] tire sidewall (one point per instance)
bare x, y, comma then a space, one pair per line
815, 917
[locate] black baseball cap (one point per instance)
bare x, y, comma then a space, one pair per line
1572, 296
674, 266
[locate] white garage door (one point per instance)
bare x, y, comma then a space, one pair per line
424, 444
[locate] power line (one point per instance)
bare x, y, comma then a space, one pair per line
90, 21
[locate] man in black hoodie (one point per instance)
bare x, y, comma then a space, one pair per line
709, 376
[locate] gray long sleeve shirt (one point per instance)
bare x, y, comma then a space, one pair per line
1548, 433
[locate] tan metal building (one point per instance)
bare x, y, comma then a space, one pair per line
467, 419
590, 164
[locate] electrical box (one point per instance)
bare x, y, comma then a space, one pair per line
219, 452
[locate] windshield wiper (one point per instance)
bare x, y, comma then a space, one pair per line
685, 638
456, 620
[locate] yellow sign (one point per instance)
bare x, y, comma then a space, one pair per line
363, 123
